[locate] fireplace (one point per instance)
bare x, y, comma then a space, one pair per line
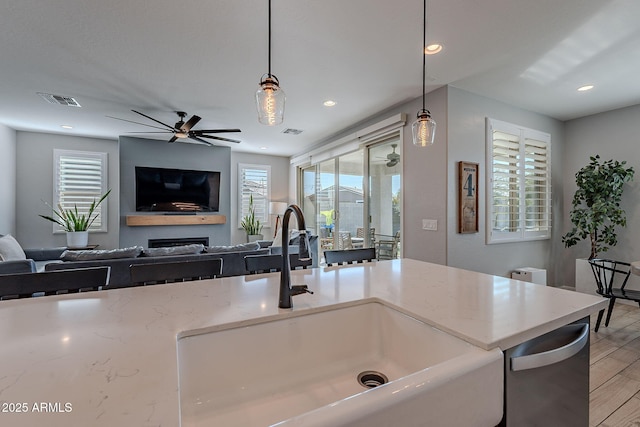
161, 243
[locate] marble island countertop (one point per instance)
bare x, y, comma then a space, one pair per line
109, 358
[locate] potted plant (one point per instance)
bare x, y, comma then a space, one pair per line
596, 212
75, 223
251, 224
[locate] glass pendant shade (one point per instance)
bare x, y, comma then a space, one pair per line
424, 129
270, 100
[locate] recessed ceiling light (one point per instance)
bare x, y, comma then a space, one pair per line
432, 49
585, 88
66, 126
263, 148
329, 103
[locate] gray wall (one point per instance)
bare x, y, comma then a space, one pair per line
147, 152
34, 183
466, 142
424, 183
279, 189
430, 184
612, 135
7, 180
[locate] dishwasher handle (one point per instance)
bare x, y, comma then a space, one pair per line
550, 357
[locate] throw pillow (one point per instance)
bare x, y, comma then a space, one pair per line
131, 252
195, 248
253, 246
10, 249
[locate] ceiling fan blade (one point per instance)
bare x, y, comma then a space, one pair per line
137, 123
151, 118
218, 138
173, 139
190, 123
158, 131
200, 140
201, 131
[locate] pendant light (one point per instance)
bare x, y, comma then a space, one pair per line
270, 97
424, 128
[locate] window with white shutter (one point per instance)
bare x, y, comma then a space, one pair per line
254, 181
518, 183
80, 177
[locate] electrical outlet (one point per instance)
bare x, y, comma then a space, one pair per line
430, 224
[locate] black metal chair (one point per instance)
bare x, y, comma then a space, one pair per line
349, 256
26, 285
270, 263
174, 271
611, 278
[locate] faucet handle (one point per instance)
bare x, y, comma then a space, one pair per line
300, 289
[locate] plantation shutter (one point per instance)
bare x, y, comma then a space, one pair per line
519, 184
254, 181
537, 186
505, 215
81, 178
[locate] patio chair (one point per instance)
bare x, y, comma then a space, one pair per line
388, 248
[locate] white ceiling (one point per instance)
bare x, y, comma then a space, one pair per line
206, 58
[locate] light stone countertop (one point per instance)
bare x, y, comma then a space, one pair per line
109, 358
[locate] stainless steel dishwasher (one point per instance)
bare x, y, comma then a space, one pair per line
547, 379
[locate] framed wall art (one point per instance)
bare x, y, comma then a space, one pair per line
467, 197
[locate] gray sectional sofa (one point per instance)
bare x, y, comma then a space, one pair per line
232, 262
54, 259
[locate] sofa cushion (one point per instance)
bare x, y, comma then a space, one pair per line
10, 249
253, 246
130, 252
195, 248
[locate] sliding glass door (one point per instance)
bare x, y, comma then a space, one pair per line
385, 204
353, 200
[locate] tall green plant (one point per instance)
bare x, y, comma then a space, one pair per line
71, 219
249, 222
596, 208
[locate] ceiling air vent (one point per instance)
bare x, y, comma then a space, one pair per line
67, 101
292, 131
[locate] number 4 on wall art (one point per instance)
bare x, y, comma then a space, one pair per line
467, 197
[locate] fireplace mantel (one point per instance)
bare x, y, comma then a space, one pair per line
147, 220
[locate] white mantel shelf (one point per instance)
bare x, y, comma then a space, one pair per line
147, 220
112, 354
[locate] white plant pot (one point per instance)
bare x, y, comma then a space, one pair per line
77, 239
254, 237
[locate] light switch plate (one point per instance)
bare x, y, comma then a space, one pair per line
430, 224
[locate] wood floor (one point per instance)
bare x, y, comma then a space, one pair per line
614, 383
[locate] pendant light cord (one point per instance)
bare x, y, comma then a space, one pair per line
424, 53
270, 38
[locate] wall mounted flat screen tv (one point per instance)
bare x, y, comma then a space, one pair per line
176, 190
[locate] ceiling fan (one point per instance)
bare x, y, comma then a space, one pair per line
393, 157
183, 130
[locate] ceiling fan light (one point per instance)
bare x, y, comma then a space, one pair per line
270, 99
180, 134
423, 129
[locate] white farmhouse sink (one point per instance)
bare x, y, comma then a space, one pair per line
303, 370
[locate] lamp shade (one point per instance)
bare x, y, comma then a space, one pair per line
270, 100
277, 208
423, 129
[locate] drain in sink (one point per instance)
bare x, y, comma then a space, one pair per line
371, 379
